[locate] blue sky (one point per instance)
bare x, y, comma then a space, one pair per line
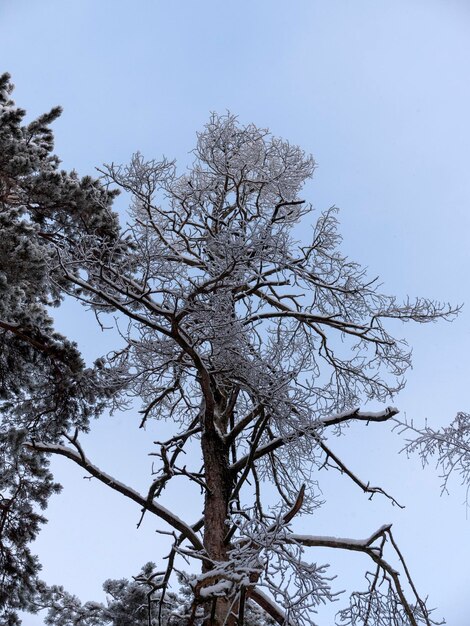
379, 92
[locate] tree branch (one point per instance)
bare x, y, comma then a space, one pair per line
152, 506
267, 605
366, 546
278, 442
366, 488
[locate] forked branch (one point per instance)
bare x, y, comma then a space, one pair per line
152, 506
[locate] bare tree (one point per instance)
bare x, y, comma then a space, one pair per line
256, 347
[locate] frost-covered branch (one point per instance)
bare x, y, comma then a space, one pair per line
449, 446
152, 506
314, 429
415, 616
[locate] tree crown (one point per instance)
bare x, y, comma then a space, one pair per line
253, 338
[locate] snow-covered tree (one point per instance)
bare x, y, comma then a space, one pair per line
255, 346
45, 388
138, 602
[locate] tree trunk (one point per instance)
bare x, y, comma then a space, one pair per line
218, 480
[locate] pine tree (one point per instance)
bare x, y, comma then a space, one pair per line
256, 347
45, 388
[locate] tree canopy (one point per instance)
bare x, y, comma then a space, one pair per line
256, 340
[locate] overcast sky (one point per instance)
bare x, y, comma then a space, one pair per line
379, 92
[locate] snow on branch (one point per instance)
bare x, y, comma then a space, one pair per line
314, 429
152, 506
